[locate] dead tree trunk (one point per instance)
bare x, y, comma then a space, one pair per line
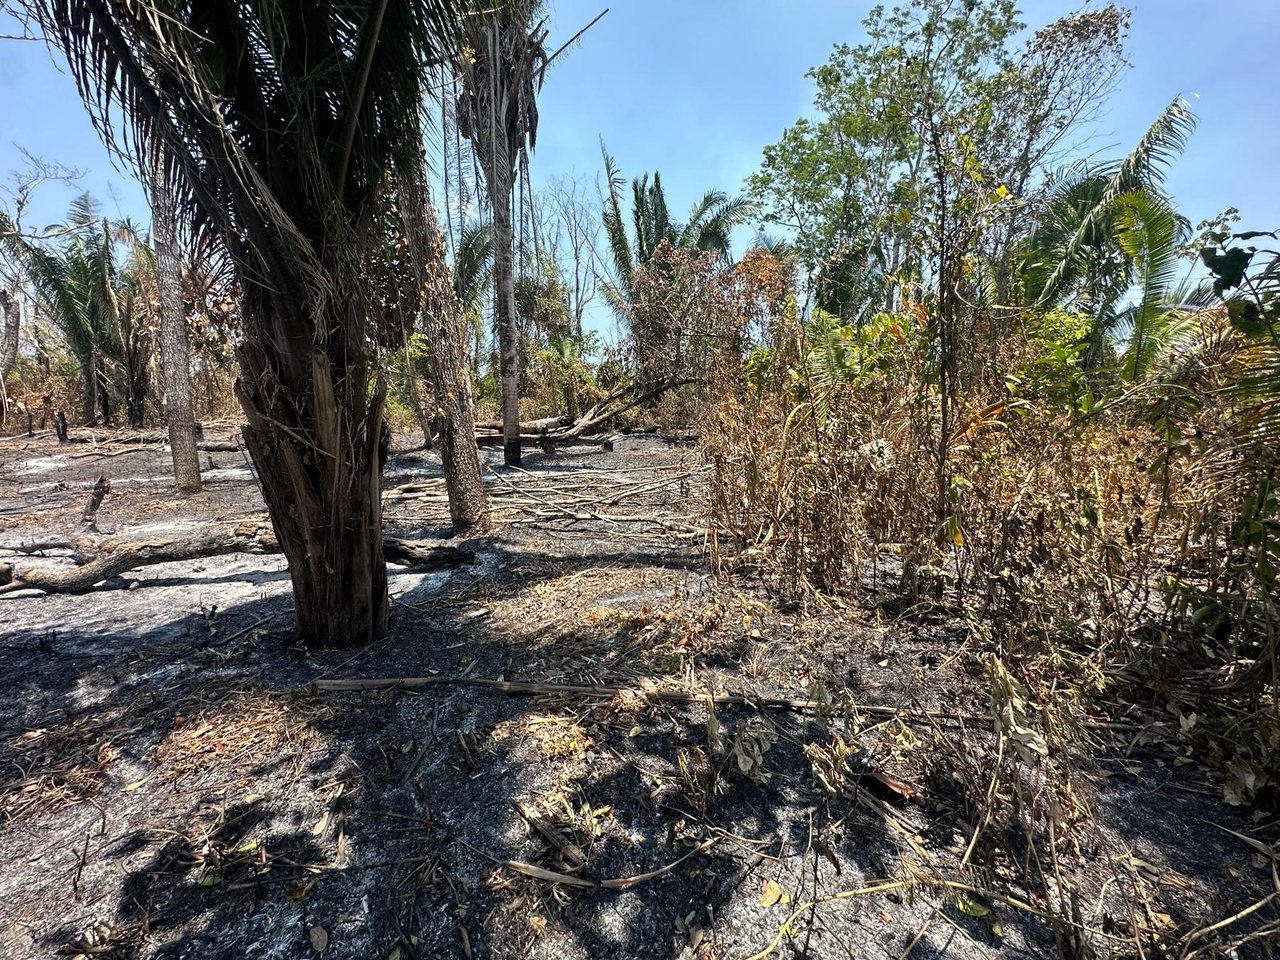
175, 353
446, 358
96, 496
8, 347
89, 373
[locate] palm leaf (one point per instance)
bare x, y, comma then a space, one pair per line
1142, 169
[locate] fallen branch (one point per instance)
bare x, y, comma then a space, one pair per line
520, 687
568, 431
102, 560
529, 688
620, 883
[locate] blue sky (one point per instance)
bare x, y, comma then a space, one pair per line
697, 87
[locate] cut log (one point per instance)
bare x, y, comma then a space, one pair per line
104, 559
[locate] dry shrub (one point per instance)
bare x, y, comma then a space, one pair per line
1103, 551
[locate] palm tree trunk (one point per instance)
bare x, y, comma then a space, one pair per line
175, 352
505, 313
134, 404
315, 447
89, 372
103, 388
8, 347
447, 332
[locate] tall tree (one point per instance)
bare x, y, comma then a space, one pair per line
502, 65
11, 310
851, 184
175, 352
445, 328
283, 129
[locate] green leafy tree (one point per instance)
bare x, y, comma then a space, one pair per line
856, 186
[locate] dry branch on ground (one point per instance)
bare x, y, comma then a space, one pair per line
104, 559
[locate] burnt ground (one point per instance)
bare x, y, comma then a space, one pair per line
173, 786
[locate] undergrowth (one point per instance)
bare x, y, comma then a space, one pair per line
1110, 548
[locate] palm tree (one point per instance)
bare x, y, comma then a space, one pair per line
11, 312
1102, 229
1151, 232
288, 132
94, 302
502, 66
707, 228
472, 277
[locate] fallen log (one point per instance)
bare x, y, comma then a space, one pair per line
97, 561
530, 426
564, 430
550, 441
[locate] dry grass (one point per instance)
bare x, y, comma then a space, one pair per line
243, 730
55, 766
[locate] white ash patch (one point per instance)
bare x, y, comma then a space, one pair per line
42, 465
226, 473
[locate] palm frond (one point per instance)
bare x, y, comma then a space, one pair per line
1147, 230
473, 264
1143, 168
622, 264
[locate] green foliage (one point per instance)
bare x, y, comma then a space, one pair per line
707, 228
1055, 373
759, 366
92, 278
939, 86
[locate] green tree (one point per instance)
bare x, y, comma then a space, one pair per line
89, 276
937, 81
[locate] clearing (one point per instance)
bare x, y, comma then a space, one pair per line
178, 781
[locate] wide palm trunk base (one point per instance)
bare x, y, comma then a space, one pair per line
329, 526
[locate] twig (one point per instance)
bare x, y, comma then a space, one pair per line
621, 883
